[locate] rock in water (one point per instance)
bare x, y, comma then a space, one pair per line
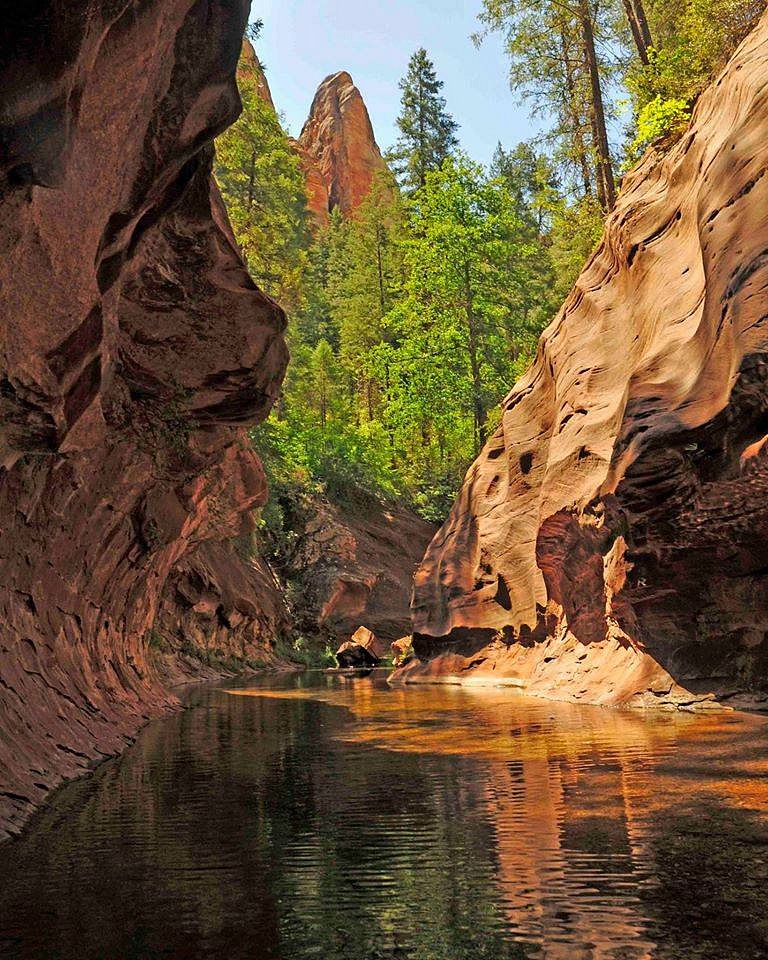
402, 650
608, 545
364, 649
338, 148
135, 351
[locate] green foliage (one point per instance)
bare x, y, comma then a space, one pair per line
427, 130
693, 40
466, 315
261, 179
657, 120
342, 460
549, 70
663, 51
577, 227
156, 641
410, 318
307, 652
416, 318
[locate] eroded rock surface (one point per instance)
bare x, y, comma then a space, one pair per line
363, 649
610, 543
134, 351
252, 68
343, 567
338, 148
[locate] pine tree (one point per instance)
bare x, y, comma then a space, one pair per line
323, 366
263, 186
428, 132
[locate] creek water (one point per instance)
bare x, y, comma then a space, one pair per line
317, 817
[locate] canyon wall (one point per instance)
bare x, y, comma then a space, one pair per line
134, 352
609, 544
349, 566
251, 67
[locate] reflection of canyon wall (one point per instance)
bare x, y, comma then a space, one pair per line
612, 534
607, 817
134, 350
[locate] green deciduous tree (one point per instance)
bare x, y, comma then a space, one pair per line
460, 327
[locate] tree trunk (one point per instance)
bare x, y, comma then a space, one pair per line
422, 138
597, 110
251, 179
602, 198
474, 363
323, 409
380, 268
579, 146
642, 23
638, 24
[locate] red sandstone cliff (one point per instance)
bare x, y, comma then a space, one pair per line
350, 566
250, 66
609, 544
134, 351
338, 148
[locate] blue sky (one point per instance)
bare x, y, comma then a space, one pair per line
305, 40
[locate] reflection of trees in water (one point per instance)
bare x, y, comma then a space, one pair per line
709, 893
281, 829
409, 875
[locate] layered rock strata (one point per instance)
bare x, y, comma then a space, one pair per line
609, 544
134, 351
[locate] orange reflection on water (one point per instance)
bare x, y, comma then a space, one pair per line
592, 809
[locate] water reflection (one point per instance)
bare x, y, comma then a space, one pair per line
343, 820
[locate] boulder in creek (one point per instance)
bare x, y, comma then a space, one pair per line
402, 650
363, 649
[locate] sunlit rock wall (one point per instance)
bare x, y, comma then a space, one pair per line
609, 544
338, 148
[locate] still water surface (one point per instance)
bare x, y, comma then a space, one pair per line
312, 817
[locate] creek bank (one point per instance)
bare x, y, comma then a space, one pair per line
344, 564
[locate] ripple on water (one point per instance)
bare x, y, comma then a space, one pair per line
350, 821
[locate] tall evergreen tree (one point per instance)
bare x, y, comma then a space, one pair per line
428, 131
555, 64
263, 186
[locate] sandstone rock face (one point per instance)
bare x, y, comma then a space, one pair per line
251, 66
610, 543
221, 606
363, 649
338, 148
134, 349
344, 568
